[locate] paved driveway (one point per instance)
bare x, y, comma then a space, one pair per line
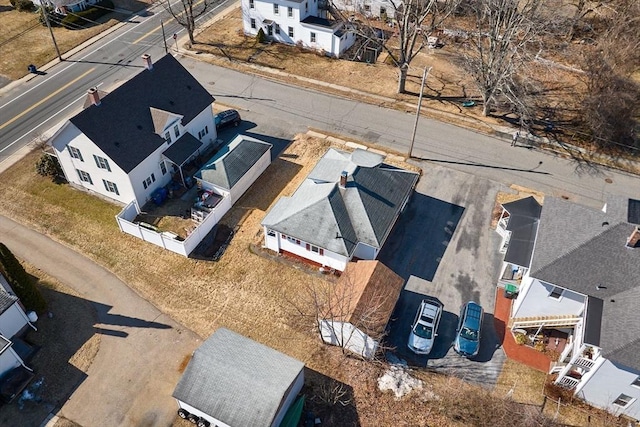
137, 366
444, 248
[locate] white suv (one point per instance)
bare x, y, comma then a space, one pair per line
423, 332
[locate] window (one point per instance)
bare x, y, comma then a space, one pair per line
623, 400
556, 292
269, 30
315, 249
75, 153
276, 9
153, 177
110, 186
144, 184
176, 130
163, 168
306, 7
203, 132
313, 37
101, 162
251, 4
253, 23
383, 12
367, 8
291, 32
84, 176
290, 12
167, 137
636, 383
278, 29
271, 233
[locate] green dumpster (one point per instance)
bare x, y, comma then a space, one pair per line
510, 290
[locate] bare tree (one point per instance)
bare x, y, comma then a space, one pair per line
185, 12
414, 21
502, 43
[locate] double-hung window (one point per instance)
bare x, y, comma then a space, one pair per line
75, 153
110, 186
291, 32
290, 12
251, 4
623, 400
253, 23
276, 8
102, 163
84, 176
176, 130
313, 37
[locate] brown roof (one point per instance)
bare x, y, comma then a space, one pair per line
365, 295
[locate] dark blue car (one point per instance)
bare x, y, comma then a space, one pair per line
467, 342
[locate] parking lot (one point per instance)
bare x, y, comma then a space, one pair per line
444, 248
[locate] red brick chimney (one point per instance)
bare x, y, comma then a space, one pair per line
147, 61
343, 179
94, 96
634, 239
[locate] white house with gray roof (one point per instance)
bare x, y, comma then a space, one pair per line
233, 381
126, 144
305, 23
578, 274
344, 209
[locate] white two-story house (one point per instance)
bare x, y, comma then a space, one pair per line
135, 139
577, 273
304, 23
344, 209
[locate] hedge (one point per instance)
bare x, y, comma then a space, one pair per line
75, 20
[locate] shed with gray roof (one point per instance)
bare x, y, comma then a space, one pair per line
235, 381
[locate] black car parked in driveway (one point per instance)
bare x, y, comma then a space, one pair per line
226, 118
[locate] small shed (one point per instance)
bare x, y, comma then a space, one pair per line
359, 307
233, 381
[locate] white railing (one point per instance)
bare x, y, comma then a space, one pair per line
568, 382
544, 321
584, 363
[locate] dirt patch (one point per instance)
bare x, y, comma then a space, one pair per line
63, 358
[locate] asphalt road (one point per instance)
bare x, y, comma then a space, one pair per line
137, 367
32, 107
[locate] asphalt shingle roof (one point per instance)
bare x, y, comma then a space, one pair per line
585, 250
237, 380
182, 149
233, 161
325, 215
122, 125
524, 216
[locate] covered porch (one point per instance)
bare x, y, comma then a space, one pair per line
181, 154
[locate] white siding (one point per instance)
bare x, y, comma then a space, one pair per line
150, 165
534, 301
12, 321
8, 361
329, 259
205, 118
607, 384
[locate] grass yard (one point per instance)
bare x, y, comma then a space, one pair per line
24, 41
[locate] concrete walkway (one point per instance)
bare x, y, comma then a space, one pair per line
136, 369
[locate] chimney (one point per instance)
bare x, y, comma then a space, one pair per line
343, 179
94, 96
634, 239
147, 61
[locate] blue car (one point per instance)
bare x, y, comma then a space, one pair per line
467, 342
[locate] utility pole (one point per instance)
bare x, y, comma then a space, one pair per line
45, 15
164, 37
415, 126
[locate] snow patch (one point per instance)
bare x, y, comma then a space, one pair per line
397, 379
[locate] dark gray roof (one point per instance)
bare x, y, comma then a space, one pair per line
633, 212
182, 149
524, 215
319, 22
336, 219
237, 380
593, 321
122, 125
585, 250
6, 300
234, 160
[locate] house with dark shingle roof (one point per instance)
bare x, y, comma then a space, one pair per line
126, 144
234, 381
344, 209
579, 287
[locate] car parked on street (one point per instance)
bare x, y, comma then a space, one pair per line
467, 341
425, 326
226, 118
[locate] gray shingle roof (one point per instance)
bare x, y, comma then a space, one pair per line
234, 160
580, 248
182, 149
122, 125
336, 219
524, 215
6, 300
237, 380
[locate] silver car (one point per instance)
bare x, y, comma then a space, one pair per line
425, 326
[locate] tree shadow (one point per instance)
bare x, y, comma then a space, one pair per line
328, 399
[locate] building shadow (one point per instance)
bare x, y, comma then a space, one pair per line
328, 399
421, 236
